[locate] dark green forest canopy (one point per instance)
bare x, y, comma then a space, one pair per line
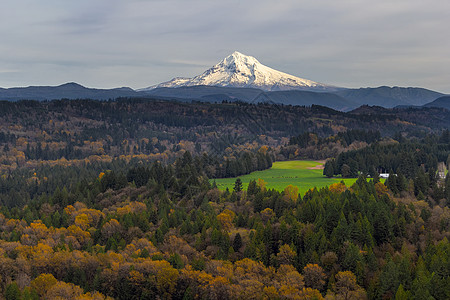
184, 227
403, 156
142, 126
261, 118
115, 198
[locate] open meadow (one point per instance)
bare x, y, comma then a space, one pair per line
304, 174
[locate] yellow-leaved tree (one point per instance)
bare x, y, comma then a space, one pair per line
226, 218
43, 283
291, 192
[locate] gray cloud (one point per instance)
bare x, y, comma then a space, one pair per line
138, 43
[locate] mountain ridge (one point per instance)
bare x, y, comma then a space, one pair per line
239, 77
441, 102
252, 95
390, 96
69, 90
343, 100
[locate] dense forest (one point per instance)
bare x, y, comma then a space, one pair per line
114, 199
78, 132
178, 237
404, 159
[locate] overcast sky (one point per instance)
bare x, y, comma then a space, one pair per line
138, 43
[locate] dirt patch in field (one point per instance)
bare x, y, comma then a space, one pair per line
318, 167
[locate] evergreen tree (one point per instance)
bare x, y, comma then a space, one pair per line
346, 171
237, 242
12, 292
391, 182
252, 188
328, 169
401, 294
237, 185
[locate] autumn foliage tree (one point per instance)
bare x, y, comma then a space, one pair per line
314, 276
345, 286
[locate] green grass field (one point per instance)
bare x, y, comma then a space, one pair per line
283, 173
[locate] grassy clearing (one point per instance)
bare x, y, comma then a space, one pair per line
283, 173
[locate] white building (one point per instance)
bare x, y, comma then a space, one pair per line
384, 175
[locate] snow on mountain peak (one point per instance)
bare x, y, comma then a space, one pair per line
240, 70
239, 58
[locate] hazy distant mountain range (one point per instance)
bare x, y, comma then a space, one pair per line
65, 91
218, 94
243, 78
390, 96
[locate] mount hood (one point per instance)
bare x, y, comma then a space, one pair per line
239, 70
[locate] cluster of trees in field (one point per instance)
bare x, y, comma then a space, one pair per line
161, 230
245, 163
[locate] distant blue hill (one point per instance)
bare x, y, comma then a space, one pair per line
65, 91
206, 93
341, 100
307, 98
443, 102
390, 96
251, 95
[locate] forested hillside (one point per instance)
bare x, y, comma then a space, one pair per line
114, 199
179, 238
71, 132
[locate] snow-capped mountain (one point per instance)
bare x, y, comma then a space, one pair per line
239, 70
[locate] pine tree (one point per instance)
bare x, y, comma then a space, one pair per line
345, 171
328, 170
237, 242
237, 185
12, 292
402, 294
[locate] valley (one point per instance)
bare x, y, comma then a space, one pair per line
304, 175
107, 199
